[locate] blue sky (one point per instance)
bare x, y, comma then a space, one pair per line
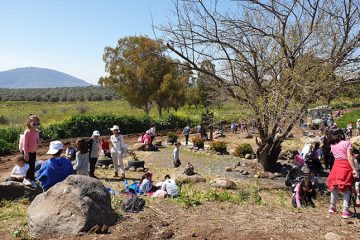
70, 35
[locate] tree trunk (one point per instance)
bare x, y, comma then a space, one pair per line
160, 110
268, 153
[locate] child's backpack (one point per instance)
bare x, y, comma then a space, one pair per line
71, 153
21, 142
189, 169
133, 204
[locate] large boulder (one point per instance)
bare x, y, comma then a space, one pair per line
16, 190
70, 207
183, 178
139, 146
223, 183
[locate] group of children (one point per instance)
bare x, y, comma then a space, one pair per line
343, 177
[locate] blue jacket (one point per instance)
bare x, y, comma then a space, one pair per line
53, 171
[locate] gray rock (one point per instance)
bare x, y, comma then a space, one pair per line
16, 190
332, 236
223, 183
70, 207
244, 172
248, 156
190, 179
139, 146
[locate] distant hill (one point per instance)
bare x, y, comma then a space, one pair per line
32, 77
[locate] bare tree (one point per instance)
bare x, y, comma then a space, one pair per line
275, 57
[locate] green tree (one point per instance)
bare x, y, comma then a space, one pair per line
136, 67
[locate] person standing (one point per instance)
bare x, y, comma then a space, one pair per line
176, 155
31, 139
186, 132
94, 146
117, 148
342, 173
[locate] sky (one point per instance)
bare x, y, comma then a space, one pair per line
70, 35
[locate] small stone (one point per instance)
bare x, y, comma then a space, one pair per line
229, 169
195, 148
243, 165
194, 235
104, 167
218, 153
111, 166
140, 169
201, 149
252, 156
132, 169
248, 156
165, 223
332, 236
256, 176
244, 172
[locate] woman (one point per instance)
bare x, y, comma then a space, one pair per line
117, 149
342, 173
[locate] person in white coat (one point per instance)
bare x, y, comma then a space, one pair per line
117, 149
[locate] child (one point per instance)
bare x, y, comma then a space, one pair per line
170, 187
146, 183
176, 154
70, 151
94, 146
117, 146
56, 169
298, 160
19, 171
30, 141
152, 132
105, 147
81, 166
304, 194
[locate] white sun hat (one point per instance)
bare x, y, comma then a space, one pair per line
96, 133
115, 127
54, 147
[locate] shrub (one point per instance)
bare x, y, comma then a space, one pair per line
243, 149
350, 117
198, 141
218, 146
3, 120
172, 136
5, 147
10, 134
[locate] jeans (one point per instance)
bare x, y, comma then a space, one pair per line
92, 162
186, 139
30, 174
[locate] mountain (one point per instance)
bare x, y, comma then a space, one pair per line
32, 77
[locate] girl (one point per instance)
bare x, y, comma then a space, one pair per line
304, 194
146, 183
342, 173
82, 158
29, 146
117, 148
94, 146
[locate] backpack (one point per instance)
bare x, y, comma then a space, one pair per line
21, 142
133, 204
189, 169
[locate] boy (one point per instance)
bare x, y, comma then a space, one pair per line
56, 169
176, 154
169, 186
19, 171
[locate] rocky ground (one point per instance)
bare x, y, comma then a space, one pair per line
265, 213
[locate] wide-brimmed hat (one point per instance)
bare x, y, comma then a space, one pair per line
115, 127
96, 133
54, 147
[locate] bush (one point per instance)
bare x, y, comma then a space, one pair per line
11, 134
172, 136
243, 149
198, 141
218, 146
5, 147
350, 117
3, 120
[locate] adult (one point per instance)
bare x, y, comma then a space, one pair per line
186, 132
343, 172
117, 148
94, 146
56, 169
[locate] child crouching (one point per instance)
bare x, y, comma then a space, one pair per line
303, 195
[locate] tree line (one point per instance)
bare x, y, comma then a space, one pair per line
65, 94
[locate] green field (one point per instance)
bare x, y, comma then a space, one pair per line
15, 112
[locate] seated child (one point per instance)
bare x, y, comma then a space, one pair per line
304, 194
170, 187
70, 152
56, 169
146, 183
298, 160
19, 171
81, 166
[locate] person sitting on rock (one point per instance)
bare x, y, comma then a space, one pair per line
19, 171
56, 169
303, 195
146, 183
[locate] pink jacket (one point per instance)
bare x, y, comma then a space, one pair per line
31, 140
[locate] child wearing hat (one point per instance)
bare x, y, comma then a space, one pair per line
117, 146
94, 146
56, 169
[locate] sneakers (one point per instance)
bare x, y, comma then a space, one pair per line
332, 210
347, 214
34, 184
26, 182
